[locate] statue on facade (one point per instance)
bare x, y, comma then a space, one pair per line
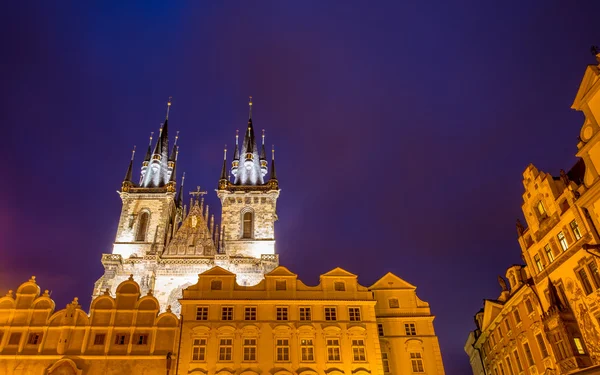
520, 228
502, 283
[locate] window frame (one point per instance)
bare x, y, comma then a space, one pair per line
330, 313
249, 349
225, 353
354, 314
141, 234
584, 280
416, 362
282, 349
282, 313
562, 240
202, 313
199, 343
307, 349
549, 253
305, 313
250, 313
359, 350
575, 229
99, 339
393, 303
333, 348
542, 345
410, 329
227, 313
247, 225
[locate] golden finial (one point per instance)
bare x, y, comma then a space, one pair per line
133, 153
250, 107
237, 136
169, 106
176, 138
225, 153
273, 152
182, 179
263, 137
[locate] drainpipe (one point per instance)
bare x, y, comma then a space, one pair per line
179, 345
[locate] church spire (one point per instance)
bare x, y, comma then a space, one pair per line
129, 173
273, 174
158, 170
224, 169
250, 174
180, 194
263, 157
175, 148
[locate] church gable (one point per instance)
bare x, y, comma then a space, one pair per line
193, 239
391, 281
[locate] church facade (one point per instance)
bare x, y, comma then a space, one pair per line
183, 295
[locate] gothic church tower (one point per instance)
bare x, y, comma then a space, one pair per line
249, 202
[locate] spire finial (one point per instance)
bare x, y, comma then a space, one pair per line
237, 136
151, 135
225, 153
263, 137
176, 152
133, 153
169, 106
250, 107
182, 180
273, 152
176, 138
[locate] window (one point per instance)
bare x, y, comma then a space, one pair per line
305, 313
386, 362
500, 332
14, 338
501, 368
410, 329
280, 285
507, 325
358, 351
140, 236
247, 230
339, 286
354, 313
330, 313
380, 329
199, 350
34, 338
575, 229
307, 350
227, 313
282, 313
393, 302
509, 366
517, 316
528, 306
417, 362
282, 348
541, 210
538, 262
542, 345
578, 345
562, 240
594, 272
121, 339
250, 313
333, 350
99, 338
583, 277
225, 349
560, 346
202, 313
142, 339
216, 285
528, 355
548, 252
249, 349
518, 361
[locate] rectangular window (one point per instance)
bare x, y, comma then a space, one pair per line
594, 272
216, 285
548, 251
34, 338
282, 348
354, 313
333, 350
99, 338
410, 329
528, 306
227, 313
142, 339
15, 338
507, 325
330, 313
393, 303
280, 285
339, 286
528, 354
578, 345
202, 313
282, 313
542, 344
250, 313
541, 210
380, 329
500, 333
199, 350
225, 349
518, 361
305, 313
386, 362
562, 240
575, 229
538, 263
121, 339
417, 362
307, 350
509, 366
585, 282
249, 350
358, 351
517, 316
560, 346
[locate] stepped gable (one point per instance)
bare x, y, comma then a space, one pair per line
193, 237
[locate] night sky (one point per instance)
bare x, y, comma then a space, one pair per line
401, 130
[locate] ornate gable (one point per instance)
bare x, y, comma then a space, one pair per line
193, 239
391, 281
491, 309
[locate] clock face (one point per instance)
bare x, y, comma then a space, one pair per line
587, 132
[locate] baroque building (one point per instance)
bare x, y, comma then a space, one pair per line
181, 296
547, 319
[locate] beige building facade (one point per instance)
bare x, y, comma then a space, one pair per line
181, 295
559, 287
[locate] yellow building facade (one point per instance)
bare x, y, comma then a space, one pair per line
556, 295
181, 295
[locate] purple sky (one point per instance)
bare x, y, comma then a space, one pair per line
401, 130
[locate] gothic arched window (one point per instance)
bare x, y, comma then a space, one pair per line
142, 227
247, 225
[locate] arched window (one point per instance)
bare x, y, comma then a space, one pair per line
142, 227
247, 225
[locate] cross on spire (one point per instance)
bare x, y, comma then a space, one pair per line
198, 193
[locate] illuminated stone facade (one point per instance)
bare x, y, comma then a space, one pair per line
547, 320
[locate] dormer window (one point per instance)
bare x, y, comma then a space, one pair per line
393, 303
541, 210
339, 286
216, 285
280, 285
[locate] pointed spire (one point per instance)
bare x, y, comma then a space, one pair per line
149, 152
175, 149
180, 196
224, 170
263, 155
273, 174
168, 107
236, 153
129, 173
249, 109
174, 172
